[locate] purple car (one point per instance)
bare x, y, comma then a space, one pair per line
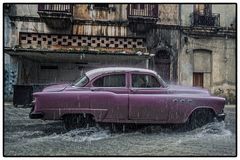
126, 95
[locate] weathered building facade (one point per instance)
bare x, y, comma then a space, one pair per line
208, 48
55, 43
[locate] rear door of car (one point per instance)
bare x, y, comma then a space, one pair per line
147, 100
110, 92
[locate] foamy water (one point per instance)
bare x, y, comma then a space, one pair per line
78, 135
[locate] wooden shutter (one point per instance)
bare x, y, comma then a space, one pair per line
198, 79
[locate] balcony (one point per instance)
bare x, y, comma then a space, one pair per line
142, 11
141, 17
198, 19
56, 15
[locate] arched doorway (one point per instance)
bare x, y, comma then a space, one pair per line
162, 64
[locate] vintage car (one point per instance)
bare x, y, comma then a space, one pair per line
126, 95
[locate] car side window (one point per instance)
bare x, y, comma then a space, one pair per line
115, 80
144, 81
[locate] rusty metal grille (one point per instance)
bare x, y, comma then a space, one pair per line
55, 8
143, 10
198, 19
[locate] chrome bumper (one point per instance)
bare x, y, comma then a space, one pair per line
35, 115
221, 116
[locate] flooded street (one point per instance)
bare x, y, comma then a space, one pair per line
26, 137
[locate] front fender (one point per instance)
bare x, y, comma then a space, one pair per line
197, 108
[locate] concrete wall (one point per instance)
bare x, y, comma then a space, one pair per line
218, 65
25, 10
227, 14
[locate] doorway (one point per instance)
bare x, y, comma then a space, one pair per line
198, 79
162, 64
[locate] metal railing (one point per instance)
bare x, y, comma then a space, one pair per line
55, 8
212, 20
146, 10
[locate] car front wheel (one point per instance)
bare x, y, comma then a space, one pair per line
200, 118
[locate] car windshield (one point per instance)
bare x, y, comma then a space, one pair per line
81, 82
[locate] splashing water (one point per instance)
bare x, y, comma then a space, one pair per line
214, 129
79, 135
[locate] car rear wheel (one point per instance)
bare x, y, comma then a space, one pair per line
74, 121
200, 118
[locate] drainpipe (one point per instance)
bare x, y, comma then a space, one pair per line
180, 42
147, 63
225, 57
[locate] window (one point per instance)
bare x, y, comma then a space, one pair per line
141, 6
49, 67
144, 81
134, 6
203, 9
101, 5
117, 80
81, 82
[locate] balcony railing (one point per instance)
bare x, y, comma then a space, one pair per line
212, 20
142, 10
64, 8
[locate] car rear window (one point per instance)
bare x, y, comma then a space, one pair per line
144, 81
116, 80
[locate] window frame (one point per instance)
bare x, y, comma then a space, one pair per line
98, 6
109, 74
206, 11
74, 84
148, 74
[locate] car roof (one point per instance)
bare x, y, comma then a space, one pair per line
96, 72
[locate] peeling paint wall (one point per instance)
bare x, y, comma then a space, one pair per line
26, 10
116, 12
100, 30
165, 40
168, 14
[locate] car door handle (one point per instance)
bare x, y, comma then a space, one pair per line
132, 90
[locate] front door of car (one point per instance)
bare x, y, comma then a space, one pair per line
110, 92
147, 99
